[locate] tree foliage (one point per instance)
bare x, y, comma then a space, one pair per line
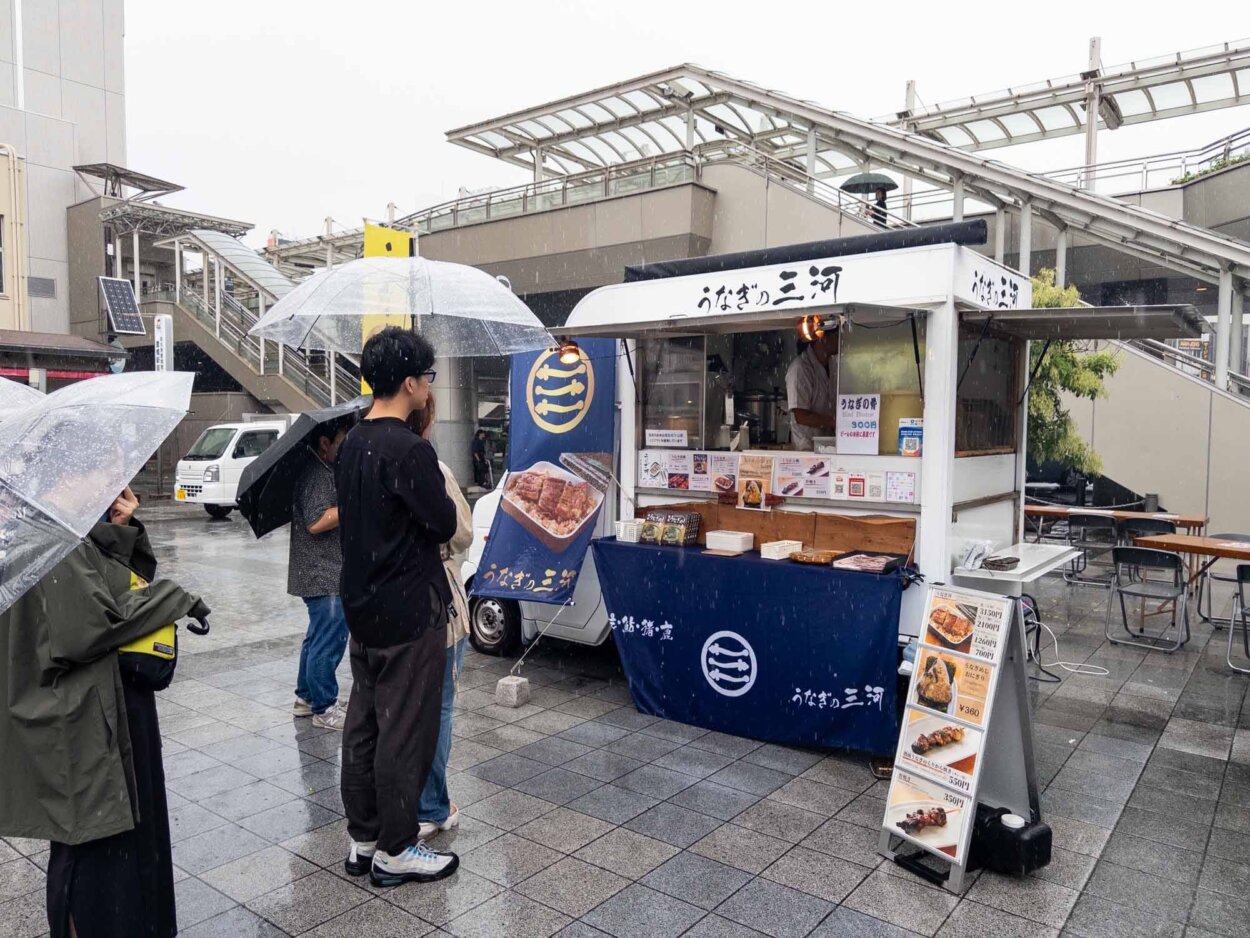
1067, 368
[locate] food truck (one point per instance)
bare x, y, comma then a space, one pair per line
912, 466
913, 455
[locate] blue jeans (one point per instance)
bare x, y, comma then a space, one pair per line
321, 652
435, 804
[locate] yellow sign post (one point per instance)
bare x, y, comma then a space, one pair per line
384, 242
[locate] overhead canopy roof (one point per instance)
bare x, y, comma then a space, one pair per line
160, 220
246, 262
117, 178
725, 323
679, 108
1136, 92
1094, 322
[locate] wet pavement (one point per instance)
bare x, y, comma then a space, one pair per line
582, 817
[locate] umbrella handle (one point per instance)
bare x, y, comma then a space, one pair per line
200, 627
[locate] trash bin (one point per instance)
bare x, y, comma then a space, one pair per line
1150, 501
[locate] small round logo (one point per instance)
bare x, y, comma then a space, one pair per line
728, 663
559, 396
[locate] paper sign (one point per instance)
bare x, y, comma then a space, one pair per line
968, 624
651, 470
677, 469
910, 436
723, 470
941, 749
900, 487
859, 424
675, 438
755, 481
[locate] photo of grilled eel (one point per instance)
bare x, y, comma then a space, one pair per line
916, 821
939, 737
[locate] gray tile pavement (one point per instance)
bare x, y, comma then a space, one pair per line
583, 818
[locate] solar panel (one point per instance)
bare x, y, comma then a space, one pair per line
123, 308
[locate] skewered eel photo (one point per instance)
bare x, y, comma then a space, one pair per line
916, 821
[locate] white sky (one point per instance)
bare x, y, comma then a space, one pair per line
282, 112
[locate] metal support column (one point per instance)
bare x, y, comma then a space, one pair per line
689, 129
334, 390
538, 164
1223, 329
177, 271
1061, 257
910, 104
1024, 263
810, 164
219, 287
957, 194
329, 246
1000, 234
1237, 361
1092, 99
138, 280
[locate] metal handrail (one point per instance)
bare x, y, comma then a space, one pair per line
1205, 368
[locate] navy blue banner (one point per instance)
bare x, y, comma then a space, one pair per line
560, 445
786, 652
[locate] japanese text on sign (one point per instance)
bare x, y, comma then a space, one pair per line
995, 290
643, 628
831, 700
800, 286
524, 581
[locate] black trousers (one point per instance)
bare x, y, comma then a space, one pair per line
122, 886
390, 737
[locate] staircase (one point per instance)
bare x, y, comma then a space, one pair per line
218, 320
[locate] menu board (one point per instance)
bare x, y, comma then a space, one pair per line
859, 423
949, 707
789, 475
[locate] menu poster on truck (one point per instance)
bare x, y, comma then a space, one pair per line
859, 424
945, 725
802, 476
714, 472
755, 482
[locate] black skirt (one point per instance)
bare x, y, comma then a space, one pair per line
122, 886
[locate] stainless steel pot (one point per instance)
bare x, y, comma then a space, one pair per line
760, 408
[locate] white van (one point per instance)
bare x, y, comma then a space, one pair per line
209, 473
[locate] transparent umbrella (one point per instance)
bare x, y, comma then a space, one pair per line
463, 311
15, 396
65, 458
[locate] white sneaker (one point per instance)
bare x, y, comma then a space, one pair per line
429, 828
417, 864
360, 857
302, 708
332, 719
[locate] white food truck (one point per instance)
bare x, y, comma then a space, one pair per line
935, 335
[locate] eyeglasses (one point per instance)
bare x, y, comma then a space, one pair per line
431, 374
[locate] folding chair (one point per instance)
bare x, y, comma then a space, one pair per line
1130, 569
1133, 528
1240, 619
1094, 536
1204, 585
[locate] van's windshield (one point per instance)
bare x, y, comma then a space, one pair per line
212, 443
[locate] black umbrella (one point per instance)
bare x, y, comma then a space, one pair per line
267, 485
864, 183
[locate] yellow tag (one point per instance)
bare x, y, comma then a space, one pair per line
384, 242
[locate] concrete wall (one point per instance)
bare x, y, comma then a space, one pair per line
1161, 431
73, 112
85, 234
753, 211
583, 246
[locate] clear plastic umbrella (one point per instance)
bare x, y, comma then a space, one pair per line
463, 311
65, 458
14, 396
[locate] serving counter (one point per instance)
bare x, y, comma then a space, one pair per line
771, 649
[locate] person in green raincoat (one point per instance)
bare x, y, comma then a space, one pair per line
82, 761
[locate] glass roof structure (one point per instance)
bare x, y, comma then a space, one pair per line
694, 110
1137, 92
238, 256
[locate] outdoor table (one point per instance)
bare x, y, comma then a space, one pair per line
771, 649
1039, 513
1216, 548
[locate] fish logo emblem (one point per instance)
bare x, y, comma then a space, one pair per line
728, 663
558, 395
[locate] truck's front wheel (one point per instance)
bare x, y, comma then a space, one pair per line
494, 625
219, 512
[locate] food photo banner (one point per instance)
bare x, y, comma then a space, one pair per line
560, 440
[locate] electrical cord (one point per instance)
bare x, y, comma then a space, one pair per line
1072, 667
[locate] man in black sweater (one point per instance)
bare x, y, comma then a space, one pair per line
393, 515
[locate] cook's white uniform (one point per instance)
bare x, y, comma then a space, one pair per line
810, 386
